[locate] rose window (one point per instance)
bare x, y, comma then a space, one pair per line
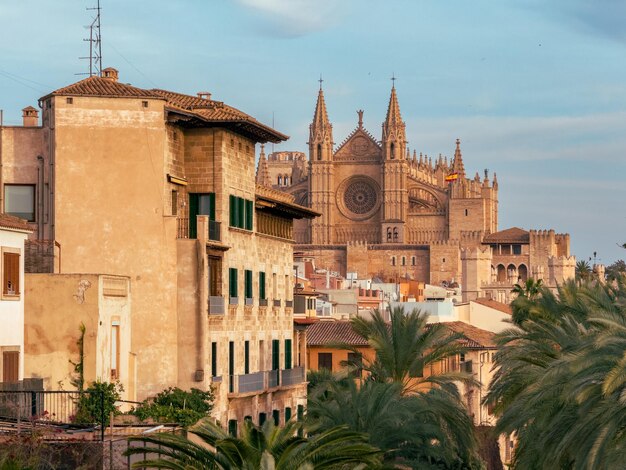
360, 197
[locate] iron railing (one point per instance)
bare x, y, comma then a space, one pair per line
292, 376
264, 380
216, 305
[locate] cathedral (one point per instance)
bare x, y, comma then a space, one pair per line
393, 215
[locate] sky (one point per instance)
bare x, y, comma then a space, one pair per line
535, 90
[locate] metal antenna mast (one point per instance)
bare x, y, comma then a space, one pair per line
95, 44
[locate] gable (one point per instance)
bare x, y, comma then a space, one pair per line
359, 146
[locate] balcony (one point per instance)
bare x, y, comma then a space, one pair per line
184, 230
289, 303
216, 305
262, 302
292, 376
276, 302
262, 381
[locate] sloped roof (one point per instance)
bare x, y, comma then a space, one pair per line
12, 222
328, 332
510, 235
105, 88
475, 338
504, 308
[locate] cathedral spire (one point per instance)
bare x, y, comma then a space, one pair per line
263, 171
320, 131
457, 165
394, 136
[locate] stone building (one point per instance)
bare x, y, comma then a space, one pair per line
392, 214
160, 187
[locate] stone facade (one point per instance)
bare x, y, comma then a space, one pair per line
391, 214
160, 187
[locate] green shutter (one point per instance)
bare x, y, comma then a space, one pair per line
193, 212
248, 284
232, 282
275, 354
241, 213
211, 206
233, 210
246, 357
262, 418
231, 366
287, 354
262, 285
249, 212
213, 359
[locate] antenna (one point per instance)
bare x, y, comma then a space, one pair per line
95, 44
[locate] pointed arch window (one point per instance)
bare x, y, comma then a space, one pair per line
395, 234
393, 260
392, 151
280, 180
388, 234
319, 151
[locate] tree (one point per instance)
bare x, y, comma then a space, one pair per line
414, 417
174, 405
561, 375
583, 271
266, 447
615, 270
530, 289
405, 347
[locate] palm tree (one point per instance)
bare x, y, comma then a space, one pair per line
583, 271
266, 447
616, 270
405, 347
530, 289
561, 380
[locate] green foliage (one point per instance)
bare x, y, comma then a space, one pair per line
561, 379
416, 420
583, 271
98, 402
174, 405
616, 270
265, 447
78, 379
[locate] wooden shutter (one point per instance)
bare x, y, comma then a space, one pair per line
275, 354
232, 282
262, 285
246, 357
213, 359
249, 212
287, 354
11, 276
10, 366
193, 212
241, 212
233, 210
248, 286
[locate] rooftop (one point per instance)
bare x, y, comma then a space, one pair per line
11, 222
505, 308
510, 235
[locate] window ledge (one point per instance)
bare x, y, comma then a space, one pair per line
11, 297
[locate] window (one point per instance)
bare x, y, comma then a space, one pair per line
115, 350
262, 418
276, 417
262, 285
356, 359
11, 273
69, 100
231, 366
319, 151
280, 180
199, 204
393, 260
19, 200
275, 354
214, 359
232, 427
392, 151
174, 202
246, 357
466, 212
287, 354
517, 249
241, 212
10, 366
144, 104
232, 282
287, 414
403, 261
325, 361
248, 284
412, 260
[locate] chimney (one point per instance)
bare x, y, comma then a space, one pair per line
30, 117
204, 95
110, 74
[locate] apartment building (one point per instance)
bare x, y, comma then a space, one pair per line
160, 187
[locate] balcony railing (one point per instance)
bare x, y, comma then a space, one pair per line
276, 303
216, 305
215, 229
262, 302
289, 303
233, 300
273, 378
292, 376
264, 380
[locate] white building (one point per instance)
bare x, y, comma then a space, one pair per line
13, 232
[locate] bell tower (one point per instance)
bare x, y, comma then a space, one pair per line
395, 172
321, 194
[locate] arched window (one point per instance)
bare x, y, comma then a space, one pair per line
511, 273
522, 272
501, 273
280, 180
412, 260
319, 151
388, 234
403, 261
392, 150
393, 260
286, 180
395, 234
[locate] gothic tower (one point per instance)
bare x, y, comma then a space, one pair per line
321, 191
395, 171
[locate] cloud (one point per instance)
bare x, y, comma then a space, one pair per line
293, 18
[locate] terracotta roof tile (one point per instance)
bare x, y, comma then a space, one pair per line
104, 87
328, 332
475, 338
505, 308
12, 222
510, 235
